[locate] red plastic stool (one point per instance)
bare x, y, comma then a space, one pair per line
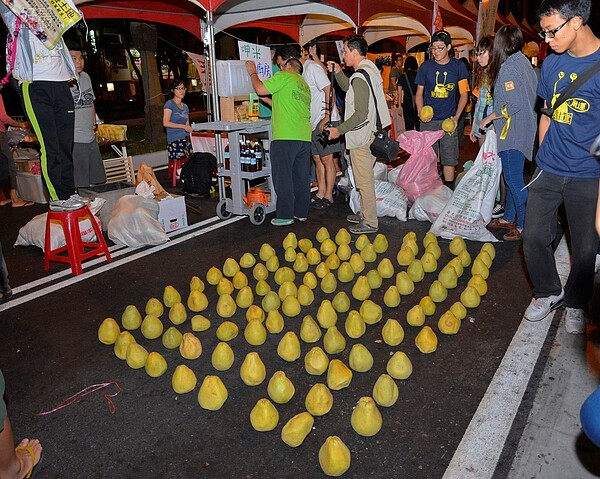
75, 247
174, 168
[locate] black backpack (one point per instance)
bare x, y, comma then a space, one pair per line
197, 173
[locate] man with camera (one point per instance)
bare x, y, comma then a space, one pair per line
359, 126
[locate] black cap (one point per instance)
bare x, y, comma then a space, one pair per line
441, 36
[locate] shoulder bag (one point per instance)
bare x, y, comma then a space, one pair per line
382, 147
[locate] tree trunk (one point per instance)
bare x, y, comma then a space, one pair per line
145, 40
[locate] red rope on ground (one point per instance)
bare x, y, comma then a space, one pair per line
85, 392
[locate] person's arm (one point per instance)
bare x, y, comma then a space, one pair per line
312, 51
463, 89
327, 106
419, 100
7, 120
257, 84
544, 125
340, 77
167, 123
462, 103
362, 93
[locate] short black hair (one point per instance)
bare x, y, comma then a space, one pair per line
177, 82
411, 63
567, 9
286, 52
72, 45
358, 43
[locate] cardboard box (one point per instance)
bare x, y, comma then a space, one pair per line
111, 192
172, 213
31, 187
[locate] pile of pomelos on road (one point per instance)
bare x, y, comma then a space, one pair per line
269, 296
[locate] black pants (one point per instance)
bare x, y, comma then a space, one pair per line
51, 112
291, 177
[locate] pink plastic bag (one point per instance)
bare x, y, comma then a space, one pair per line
419, 174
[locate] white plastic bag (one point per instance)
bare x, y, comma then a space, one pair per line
134, 222
34, 232
470, 208
380, 171
394, 173
389, 198
428, 207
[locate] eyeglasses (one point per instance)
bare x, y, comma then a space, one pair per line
437, 49
480, 54
180, 87
552, 33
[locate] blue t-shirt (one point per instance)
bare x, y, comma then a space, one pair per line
180, 116
565, 150
440, 84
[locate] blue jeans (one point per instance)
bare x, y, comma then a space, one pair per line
516, 195
580, 196
290, 161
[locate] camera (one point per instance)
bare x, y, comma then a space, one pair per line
323, 137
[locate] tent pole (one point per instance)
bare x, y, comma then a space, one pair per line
210, 27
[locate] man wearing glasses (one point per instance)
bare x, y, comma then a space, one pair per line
566, 170
443, 84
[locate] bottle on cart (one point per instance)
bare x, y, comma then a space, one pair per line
242, 153
251, 165
258, 155
227, 157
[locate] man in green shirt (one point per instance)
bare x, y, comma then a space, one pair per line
291, 138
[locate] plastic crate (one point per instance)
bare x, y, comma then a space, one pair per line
107, 133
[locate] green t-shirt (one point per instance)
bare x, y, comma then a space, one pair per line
291, 106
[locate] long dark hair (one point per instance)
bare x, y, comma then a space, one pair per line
482, 74
508, 41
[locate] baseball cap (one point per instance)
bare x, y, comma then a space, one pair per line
441, 36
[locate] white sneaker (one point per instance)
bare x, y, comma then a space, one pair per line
539, 308
574, 321
71, 204
85, 200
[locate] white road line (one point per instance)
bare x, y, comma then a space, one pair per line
478, 453
115, 252
114, 264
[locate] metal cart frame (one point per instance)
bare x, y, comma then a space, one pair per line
240, 179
